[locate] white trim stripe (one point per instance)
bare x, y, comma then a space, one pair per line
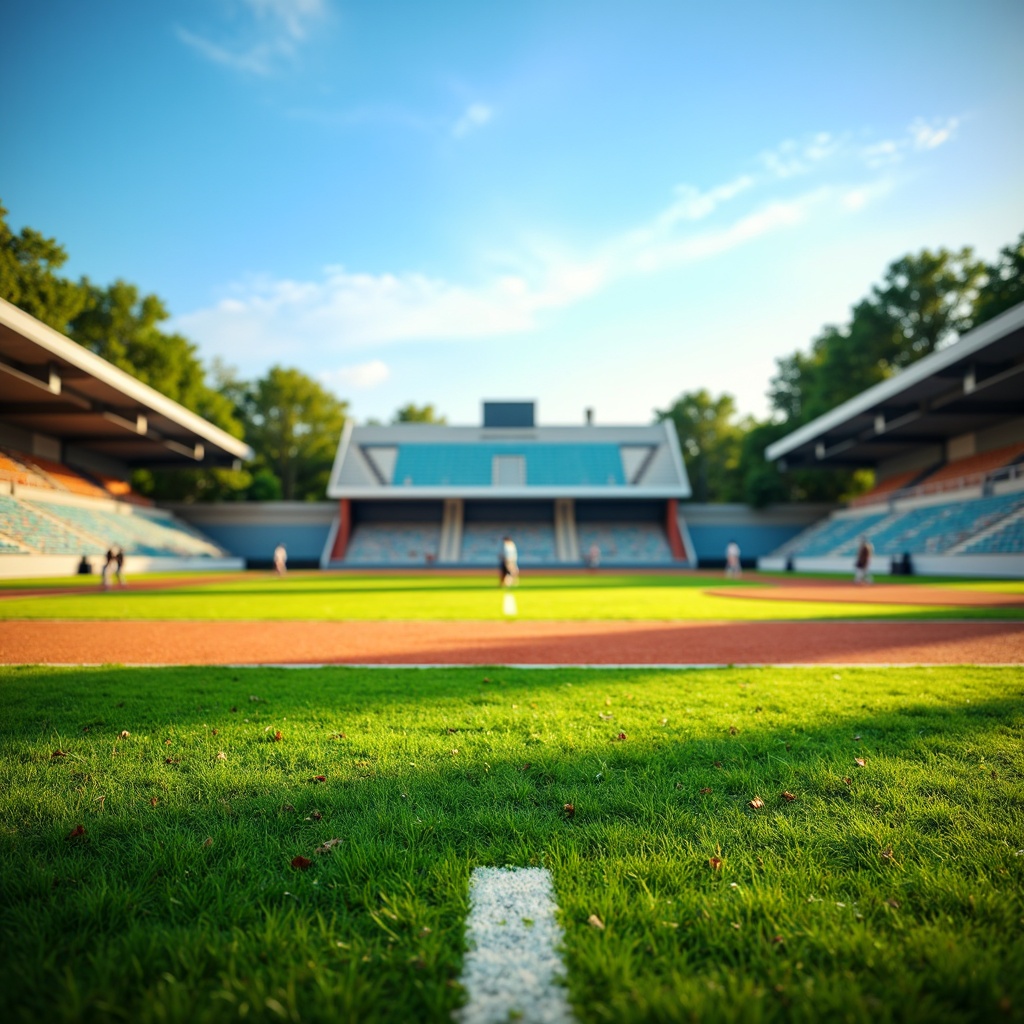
513, 968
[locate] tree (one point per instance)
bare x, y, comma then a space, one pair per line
1004, 283
28, 279
294, 425
412, 413
709, 439
923, 302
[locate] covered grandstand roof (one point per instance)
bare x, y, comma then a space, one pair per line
425, 460
53, 386
975, 383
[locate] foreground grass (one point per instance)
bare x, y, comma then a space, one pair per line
893, 891
438, 596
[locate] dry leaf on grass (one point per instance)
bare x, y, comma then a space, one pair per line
715, 863
315, 816
213, 732
124, 734
605, 718
860, 761
621, 738
595, 922
887, 853
893, 902
328, 846
208, 841
221, 756
848, 780
301, 863
338, 736
705, 791
153, 801
570, 810
788, 797
318, 778
77, 832
58, 753
526, 767
172, 760
277, 737
757, 803
733, 730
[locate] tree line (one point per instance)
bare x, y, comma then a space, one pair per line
923, 302
290, 420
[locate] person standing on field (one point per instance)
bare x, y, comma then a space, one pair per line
280, 559
508, 563
862, 566
732, 560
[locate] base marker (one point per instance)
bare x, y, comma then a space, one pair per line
513, 966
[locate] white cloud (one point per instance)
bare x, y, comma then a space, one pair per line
272, 33
931, 134
793, 157
344, 310
358, 377
475, 116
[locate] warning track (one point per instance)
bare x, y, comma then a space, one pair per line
511, 643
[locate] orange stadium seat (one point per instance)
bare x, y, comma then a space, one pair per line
974, 468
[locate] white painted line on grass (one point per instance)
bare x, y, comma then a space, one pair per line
513, 966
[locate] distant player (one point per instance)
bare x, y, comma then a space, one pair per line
280, 559
732, 560
108, 565
119, 565
508, 563
593, 556
862, 566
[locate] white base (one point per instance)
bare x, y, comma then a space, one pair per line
29, 566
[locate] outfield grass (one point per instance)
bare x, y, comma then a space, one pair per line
893, 891
437, 596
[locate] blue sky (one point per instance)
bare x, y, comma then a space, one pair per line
591, 204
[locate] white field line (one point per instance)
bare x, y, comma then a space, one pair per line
512, 964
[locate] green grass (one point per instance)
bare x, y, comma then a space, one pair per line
188, 910
438, 596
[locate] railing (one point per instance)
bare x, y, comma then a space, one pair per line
986, 480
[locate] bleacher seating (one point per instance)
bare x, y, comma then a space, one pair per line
40, 532
974, 467
934, 529
535, 542
626, 543
823, 538
469, 465
14, 470
884, 488
393, 544
924, 530
137, 534
1007, 540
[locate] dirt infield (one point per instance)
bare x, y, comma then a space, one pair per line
504, 643
888, 593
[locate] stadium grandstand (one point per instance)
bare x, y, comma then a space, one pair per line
945, 438
424, 494
72, 429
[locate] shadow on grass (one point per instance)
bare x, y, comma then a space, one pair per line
440, 770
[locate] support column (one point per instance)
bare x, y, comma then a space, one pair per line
341, 538
675, 538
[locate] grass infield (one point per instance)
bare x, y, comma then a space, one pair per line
429, 596
148, 878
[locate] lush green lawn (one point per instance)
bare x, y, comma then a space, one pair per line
893, 891
430, 596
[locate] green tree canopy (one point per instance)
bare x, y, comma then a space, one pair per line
294, 425
709, 438
412, 413
1004, 283
29, 262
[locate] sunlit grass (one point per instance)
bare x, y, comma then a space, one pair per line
892, 891
439, 596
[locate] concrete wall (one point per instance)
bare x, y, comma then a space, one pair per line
757, 531
1000, 566
251, 530
33, 566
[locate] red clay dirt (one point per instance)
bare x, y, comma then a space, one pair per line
888, 593
502, 643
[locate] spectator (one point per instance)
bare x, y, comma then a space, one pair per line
862, 566
732, 560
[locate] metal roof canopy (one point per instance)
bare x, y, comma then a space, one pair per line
976, 382
52, 385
